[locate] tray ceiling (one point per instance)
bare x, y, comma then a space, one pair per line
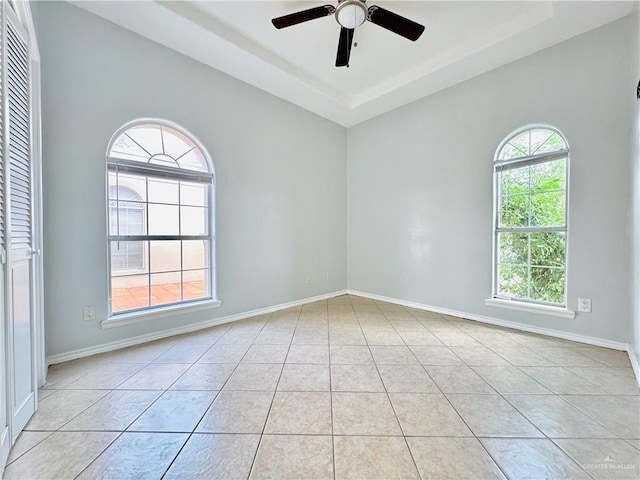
462, 39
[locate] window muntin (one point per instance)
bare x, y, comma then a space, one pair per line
160, 197
530, 239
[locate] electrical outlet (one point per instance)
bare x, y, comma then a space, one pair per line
309, 279
89, 312
328, 277
584, 305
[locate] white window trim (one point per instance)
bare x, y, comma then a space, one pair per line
517, 304
138, 316
530, 307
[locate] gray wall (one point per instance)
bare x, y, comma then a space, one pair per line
420, 183
281, 174
635, 158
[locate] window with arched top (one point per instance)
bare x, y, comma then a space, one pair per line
530, 222
160, 217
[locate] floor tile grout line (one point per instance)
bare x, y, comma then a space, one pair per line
395, 414
467, 425
533, 378
264, 426
587, 414
162, 392
544, 435
333, 438
562, 400
99, 454
574, 460
107, 392
215, 397
165, 390
31, 448
475, 367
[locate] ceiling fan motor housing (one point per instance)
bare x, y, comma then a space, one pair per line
351, 13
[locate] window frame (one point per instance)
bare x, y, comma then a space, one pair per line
526, 304
147, 170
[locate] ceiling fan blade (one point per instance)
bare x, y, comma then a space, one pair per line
394, 22
303, 16
344, 47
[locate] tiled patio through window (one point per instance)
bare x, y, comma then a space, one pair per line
138, 297
344, 388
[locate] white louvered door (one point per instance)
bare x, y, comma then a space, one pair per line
5, 432
19, 227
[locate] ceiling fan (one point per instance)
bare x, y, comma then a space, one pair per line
350, 14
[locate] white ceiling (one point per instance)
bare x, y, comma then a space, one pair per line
462, 39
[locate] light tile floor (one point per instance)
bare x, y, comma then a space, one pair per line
344, 388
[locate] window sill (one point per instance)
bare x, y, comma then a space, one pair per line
530, 307
160, 312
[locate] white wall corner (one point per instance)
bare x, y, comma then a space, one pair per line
128, 342
634, 363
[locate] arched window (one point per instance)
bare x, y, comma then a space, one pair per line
160, 209
530, 231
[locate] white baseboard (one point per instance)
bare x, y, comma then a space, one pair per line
634, 363
108, 347
501, 323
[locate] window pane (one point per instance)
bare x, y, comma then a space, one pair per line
165, 255
514, 248
163, 219
112, 184
129, 292
547, 284
553, 144
193, 194
515, 181
548, 209
194, 160
175, 143
196, 284
195, 254
514, 210
539, 137
148, 137
522, 143
127, 256
548, 249
129, 216
165, 288
509, 151
124, 147
194, 220
512, 281
163, 191
132, 187
549, 176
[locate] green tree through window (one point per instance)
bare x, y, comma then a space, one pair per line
531, 217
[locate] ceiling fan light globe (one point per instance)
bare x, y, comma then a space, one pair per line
351, 14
